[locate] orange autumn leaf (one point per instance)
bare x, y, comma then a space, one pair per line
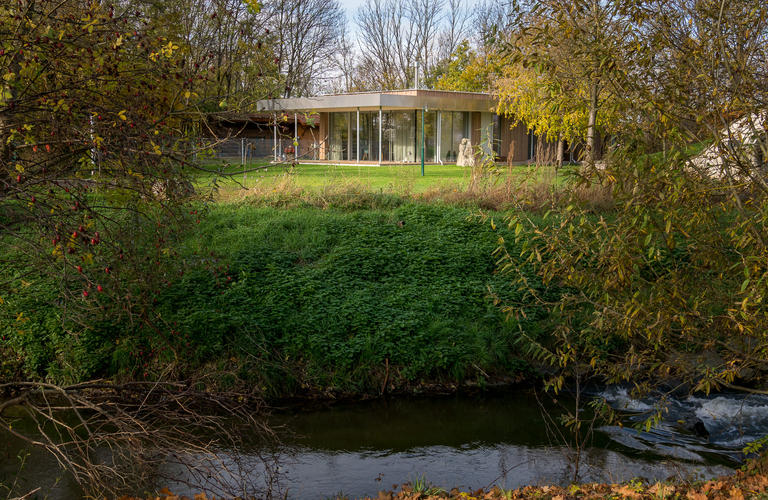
736, 494
695, 495
628, 492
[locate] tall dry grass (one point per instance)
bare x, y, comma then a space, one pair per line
499, 189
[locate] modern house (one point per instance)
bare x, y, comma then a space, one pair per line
386, 127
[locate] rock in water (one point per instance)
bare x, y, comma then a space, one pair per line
699, 429
695, 425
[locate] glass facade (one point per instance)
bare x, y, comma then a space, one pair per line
533, 143
454, 126
400, 135
338, 136
369, 136
486, 133
430, 136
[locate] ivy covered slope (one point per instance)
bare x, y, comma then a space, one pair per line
303, 299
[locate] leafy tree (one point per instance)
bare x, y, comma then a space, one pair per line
467, 70
100, 118
226, 40
400, 37
567, 67
99, 108
670, 284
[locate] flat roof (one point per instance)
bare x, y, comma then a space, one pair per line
386, 99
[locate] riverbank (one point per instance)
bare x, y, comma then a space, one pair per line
304, 302
751, 483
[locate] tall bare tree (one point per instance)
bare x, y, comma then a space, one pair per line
458, 23
492, 19
308, 34
396, 37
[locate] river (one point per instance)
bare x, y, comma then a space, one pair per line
471, 442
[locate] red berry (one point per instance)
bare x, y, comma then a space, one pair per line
106, 270
74, 235
79, 269
94, 241
18, 178
85, 293
99, 288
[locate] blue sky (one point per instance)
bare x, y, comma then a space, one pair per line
351, 6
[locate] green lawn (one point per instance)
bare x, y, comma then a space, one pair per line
393, 178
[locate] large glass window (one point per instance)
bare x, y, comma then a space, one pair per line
460, 129
487, 133
399, 136
430, 135
404, 147
454, 127
533, 143
369, 136
339, 136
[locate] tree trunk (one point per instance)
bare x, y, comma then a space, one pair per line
590, 156
560, 147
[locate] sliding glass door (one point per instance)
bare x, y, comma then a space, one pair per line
454, 126
430, 136
399, 136
338, 138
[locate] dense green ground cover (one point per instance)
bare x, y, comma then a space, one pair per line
300, 298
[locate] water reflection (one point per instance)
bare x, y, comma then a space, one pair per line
465, 442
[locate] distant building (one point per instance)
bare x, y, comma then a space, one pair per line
386, 127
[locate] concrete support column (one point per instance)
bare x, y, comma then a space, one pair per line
274, 140
381, 146
438, 152
357, 136
349, 136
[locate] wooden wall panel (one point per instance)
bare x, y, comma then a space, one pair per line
474, 122
322, 138
518, 143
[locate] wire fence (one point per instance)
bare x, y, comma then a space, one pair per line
255, 149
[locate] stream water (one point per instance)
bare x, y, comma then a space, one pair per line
473, 442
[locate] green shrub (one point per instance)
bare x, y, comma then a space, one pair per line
310, 297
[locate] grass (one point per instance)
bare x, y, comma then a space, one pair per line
384, 178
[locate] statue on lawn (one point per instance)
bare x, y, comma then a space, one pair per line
466, 157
